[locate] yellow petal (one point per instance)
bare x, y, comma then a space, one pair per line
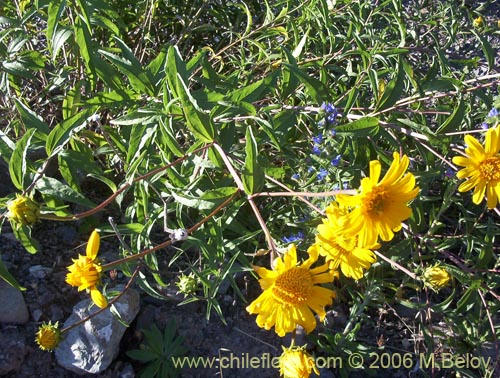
93, 245
99, 299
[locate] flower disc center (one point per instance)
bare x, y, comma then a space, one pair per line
293, 286
490, 168
375, 201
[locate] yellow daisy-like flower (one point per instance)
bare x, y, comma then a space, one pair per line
48, 336
85, 272
290, 293
340, 249
295, 362
482, 168
380, 207
23, 210
436, 277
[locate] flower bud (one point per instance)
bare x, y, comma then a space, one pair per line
23, 210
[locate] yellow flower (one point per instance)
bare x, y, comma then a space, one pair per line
85, 272
340, 249
436, 277
48, 336
295, 362
290, 293
23, 210
380, 207
482, 168
478, 22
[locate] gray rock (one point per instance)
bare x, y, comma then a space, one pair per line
92, 346
40, 272
12, 303
12, 351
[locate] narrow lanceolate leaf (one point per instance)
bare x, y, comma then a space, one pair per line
54, 188
393, 90
361, 127
7, 277
62, 132
199, 122
489, 52
253, 174
455, 119
30, 119
18, 165
23, 234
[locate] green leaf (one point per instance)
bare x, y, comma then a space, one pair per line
488, 51
7, 146
130, 66
62, 132
255, 91
253, 174
30, 119
19, 164
199, 122
141, 355
361, 127
52, 187
194, 202
455, 119
23, 234
7, 277
219, 193
317, 90
393, 90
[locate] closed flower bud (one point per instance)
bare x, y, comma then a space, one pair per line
48, 336
436, 277
23, 210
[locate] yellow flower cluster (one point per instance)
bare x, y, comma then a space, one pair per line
354, 224
346, 238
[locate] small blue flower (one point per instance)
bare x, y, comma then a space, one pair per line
321, 174
333, 132
336, 160
328, 107
346, 185
331, 118
493, 113
318, 139
310, 169
484, 126
450, 173
316, 150
293, 237
295, 176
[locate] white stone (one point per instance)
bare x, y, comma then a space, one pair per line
91, 347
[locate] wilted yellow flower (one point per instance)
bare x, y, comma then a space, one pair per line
340, 249
85, 272
482, 168
295, 362
48, 336
436, 277
23, 210
380, 207
478, 22
290, 293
